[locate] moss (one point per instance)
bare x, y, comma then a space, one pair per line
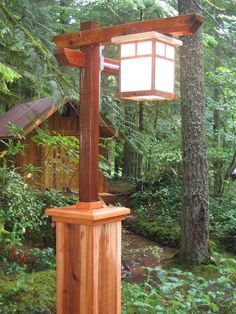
168, 235
33, 293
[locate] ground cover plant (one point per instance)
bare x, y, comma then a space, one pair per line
157, 213
208, 289
29, 270
179, 292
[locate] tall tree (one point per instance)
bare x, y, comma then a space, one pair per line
130, 155
194, 236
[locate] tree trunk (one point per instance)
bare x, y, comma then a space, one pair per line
141, 128
130, 156
217, 164
194, 233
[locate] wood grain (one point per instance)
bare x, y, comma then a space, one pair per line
88, 268
89, 122
74, 58
173, 26
137, 96
87, 217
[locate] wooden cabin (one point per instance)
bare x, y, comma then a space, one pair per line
56, 170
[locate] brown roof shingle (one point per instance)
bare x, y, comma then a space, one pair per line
27, 116
31, 114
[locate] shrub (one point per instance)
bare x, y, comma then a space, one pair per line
41, 259
48, 199
22, 208
171, 291
28, 293
157, 211
179, 292
223, 219
20, 203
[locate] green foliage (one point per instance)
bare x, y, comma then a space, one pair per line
179, 292
223, 219
4, 234
11, 267
67, 146
41, 259
164, 291
69, 143
56, 199
157, 213
7, 75
10, 149
28, 293
22, 209
21, 204
27, 260
45, 234
26, 48
157, 210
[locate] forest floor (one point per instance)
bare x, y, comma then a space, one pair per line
139, 252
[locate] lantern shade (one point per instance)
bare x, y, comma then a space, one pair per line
147, 66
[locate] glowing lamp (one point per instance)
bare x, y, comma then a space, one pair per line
147, 66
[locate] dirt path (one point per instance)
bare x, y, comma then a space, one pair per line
139, 252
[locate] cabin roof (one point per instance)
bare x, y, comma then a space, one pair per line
31, 114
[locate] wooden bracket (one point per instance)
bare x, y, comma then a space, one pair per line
76, 58
69, 57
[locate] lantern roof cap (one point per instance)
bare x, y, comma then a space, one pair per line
147, 35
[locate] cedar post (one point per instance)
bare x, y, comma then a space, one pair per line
89, 121
88, 234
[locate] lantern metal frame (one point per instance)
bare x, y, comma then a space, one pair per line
153, 93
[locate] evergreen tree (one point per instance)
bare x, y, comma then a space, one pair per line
194, 232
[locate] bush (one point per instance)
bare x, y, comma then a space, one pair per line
20, 203
223, 219
49, 199
41, 259
157, 213
171, 291
157, 210
28, 293
179, 292
23, 209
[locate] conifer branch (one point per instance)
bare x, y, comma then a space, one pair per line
42, 52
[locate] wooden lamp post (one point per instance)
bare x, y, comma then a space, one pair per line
88, 234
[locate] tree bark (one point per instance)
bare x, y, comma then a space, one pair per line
141, 128
217, 164
194, 233
130, 156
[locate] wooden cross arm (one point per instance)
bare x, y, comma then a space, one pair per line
75, 58
183, 25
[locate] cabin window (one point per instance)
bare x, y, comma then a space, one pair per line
65, 111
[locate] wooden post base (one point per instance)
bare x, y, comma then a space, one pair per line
88, 259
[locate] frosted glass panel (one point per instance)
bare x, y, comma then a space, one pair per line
164, 75
127, 50
144, 48
170, 52
136, 74
160, 49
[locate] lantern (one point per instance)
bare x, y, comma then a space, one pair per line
147, 66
